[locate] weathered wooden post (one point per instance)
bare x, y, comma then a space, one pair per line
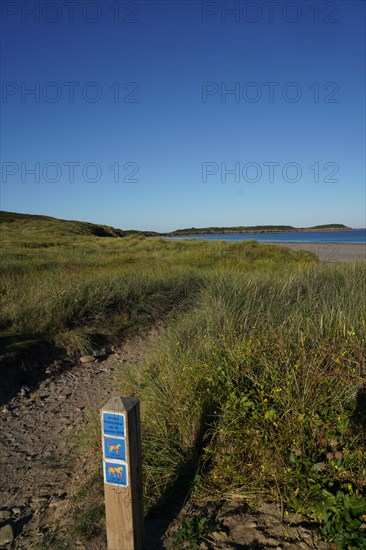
122, 468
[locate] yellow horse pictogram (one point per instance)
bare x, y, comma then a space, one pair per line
115, 471
114, 448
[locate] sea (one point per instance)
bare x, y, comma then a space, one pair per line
352, 236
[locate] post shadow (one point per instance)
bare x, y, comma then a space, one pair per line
175, 496
358, 418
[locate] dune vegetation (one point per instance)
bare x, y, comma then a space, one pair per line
262, 385
258, 387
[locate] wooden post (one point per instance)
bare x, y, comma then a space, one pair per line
122, 470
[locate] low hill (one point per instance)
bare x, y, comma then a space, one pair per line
36, 227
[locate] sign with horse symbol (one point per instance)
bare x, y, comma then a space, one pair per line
115, 473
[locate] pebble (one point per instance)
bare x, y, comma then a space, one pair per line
216, 535
55, 502
251, 525
272, 542
5, 514
87, 359
44, 395
42, 498
6, 534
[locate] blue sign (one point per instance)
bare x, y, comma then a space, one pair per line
114, 424
114, 448
115, 473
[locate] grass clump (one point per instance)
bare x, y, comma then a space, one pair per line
191, 531
87, 522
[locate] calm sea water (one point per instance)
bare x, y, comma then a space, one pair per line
353, 236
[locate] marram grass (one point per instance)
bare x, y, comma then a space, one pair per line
266, 376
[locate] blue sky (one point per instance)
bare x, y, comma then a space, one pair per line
132, 122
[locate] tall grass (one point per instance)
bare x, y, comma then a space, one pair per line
272, 367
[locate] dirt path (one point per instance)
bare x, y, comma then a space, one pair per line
37, 460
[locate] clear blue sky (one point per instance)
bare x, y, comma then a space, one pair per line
170, 129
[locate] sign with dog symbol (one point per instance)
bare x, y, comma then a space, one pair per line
114, 447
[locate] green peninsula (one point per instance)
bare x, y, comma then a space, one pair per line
259, 229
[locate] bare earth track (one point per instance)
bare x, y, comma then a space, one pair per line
38, 426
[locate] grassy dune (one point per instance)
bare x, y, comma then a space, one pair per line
258, 388
60, 282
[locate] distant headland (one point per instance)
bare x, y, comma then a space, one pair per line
258, 229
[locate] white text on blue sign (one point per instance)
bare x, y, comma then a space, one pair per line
114, 424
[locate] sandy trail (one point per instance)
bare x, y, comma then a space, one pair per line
37, 461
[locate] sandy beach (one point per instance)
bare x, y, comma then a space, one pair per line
332, 252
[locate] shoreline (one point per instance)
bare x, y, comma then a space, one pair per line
329, 252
